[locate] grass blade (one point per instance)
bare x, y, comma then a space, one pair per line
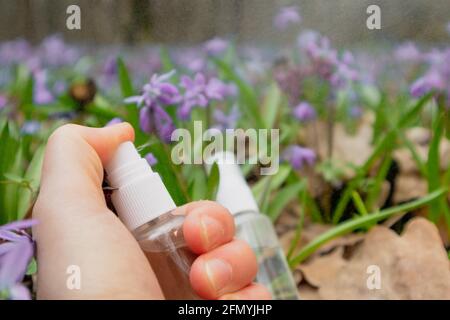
351, 225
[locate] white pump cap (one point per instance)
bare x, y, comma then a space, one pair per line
140, 195
233, 191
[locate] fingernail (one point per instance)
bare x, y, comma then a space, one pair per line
219, 273
212, 231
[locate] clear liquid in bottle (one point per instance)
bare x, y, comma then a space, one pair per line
273, 269
163, 244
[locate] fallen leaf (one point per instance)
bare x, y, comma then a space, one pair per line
408, 187
412, 266
322, 269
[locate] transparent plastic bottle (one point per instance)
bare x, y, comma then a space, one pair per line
145, 206
255, 228
163, 244
273, 269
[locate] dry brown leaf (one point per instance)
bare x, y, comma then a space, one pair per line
413, 266
408, 187
323, 269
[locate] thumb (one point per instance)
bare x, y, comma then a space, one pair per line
72, 173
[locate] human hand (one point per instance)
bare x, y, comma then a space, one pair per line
76, 228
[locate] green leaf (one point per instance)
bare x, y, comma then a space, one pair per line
32, 267
275, 181
127, 90
169, 173
375, 189
10, 164
249, 101
33, 175
298, 231
101, 112
126, 85
415, 155
213, 182
433, 165
380, 119
356, 223
271, 105
197, 182
359, 204
384, 144
13, 177
413, 114
166, 60
282, 199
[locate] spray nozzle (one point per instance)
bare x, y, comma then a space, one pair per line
139, 193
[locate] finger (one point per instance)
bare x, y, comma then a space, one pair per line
254, 291
223, 270
207, 226
73, 164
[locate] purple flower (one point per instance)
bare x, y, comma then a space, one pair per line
323, 57
158, 91
56, 52
110, 66
14, 51
343, 76
151, 159
198, 92
306, 38
19, 292
218, 90
356, 112
304, 112
114, 121
191, 60
41, 94
408, 52
290, 81
215, 46
286, 16
196, 65
16, 253
154, 119
30, 127
226, 121
348, 58
298, 156
432, 81
3, 101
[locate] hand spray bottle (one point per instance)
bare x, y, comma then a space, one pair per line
255, 228
146, 208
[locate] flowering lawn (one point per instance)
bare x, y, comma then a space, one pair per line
364, 134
